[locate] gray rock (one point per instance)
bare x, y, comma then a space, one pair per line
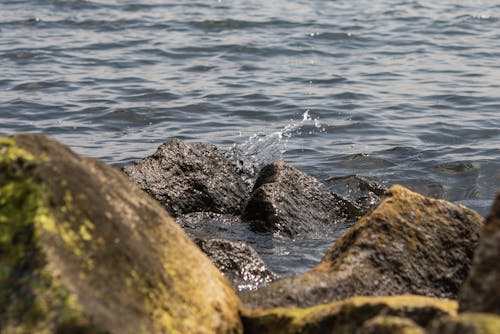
290, 202
207, 224
364, 192
408, 244
238, 261
190, 178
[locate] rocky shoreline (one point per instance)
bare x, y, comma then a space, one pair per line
84, 250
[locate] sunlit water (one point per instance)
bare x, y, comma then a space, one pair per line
396, 91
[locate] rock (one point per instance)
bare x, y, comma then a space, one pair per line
353, 315
466, 323
190, 178
83, 250
481, 292
408, 244
360, 190
220, 237
207, 224
238, 261
390, 325
290, 202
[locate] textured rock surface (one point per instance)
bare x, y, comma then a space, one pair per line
481, 292
466, 323
360, 190
354, 315
207, 224
238, 261
190, 178
408, 244
390, 325
290, 202
83, 250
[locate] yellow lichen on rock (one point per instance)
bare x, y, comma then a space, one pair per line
9, 151
82, 249
390, 325
346, 316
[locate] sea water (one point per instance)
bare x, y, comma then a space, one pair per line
394, 91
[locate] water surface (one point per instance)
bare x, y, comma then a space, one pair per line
395, 91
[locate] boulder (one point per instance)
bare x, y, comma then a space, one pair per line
84, 250
290, 202
364, 192
481, 292
408, 244
190, 178
354, 315
384, 324
238, 261
466, 323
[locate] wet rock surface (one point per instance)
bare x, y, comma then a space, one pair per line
481, 292
190, 177
84, 250
365, 193
408, 244
238, 261
290, 202
207, 224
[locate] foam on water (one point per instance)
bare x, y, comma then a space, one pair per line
262, 148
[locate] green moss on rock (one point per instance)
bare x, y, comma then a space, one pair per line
390, 325
83, 250
348, 316
32, 300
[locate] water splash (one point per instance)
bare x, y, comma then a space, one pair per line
262, 148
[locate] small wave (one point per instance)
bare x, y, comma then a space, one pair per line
237, 51
233, 24
59, 85
331, 35
451, 168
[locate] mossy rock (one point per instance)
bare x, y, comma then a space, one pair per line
481, 292
390, 325
408, 244
83, 250
466, 323
353, 315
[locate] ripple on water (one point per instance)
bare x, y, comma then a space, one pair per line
403, 92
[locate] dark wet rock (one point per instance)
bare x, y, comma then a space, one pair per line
190, 178
238, 261
364, 192
408, 244
290, 202
466, 323
481, 292
207, 224
362, 315
84, 250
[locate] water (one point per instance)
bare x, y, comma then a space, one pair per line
395, 91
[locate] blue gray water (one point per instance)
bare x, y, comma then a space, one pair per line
396, 91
